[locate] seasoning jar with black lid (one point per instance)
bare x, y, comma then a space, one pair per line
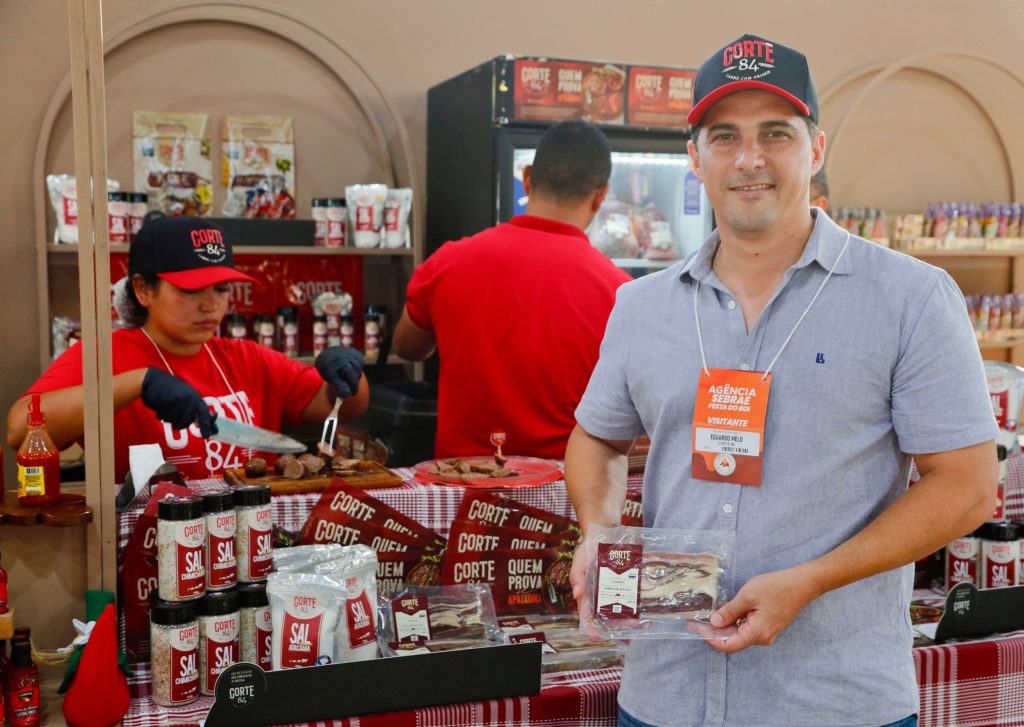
174, 652
1000, 554
180, 542
235, 326
218, 637
221, 567
253, 539
255, 634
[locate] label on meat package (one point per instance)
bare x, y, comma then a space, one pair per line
618, 580
659, 97
412, 617
545, 90
633, 509
486, 508
395, 570
521, 581
340, 498
469, 537
531, 637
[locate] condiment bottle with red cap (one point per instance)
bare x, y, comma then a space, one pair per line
22, 688
38, 461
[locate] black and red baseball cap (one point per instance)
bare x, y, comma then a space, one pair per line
750, 63
187, 252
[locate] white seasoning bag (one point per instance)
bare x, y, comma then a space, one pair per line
64, 200
355, 574
304, 557
304, 611
396, 217
365, 213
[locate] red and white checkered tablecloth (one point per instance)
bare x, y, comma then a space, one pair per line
971, 684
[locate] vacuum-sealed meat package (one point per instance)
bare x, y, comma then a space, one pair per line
654, 234
564, 647
654, 583
449, 613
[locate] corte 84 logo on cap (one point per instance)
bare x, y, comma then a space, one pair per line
208, 244
748, 59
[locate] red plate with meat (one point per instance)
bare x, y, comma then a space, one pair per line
525, 472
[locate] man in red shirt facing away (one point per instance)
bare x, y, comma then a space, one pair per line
517, 312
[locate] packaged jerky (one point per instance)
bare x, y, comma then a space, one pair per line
449, 613
172, 161
488, 508
521, 581
654, 583
259, 167
341, 498
469, 537
564, 647
396, 570
345, 529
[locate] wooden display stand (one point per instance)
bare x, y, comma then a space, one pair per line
69, 511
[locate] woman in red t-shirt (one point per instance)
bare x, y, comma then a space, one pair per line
173, 376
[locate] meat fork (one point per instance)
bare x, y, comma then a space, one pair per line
330, 428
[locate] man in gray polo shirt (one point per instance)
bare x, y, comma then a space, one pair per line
870, 360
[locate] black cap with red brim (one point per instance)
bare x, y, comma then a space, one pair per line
751, 63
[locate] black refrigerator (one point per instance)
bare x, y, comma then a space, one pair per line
484, 124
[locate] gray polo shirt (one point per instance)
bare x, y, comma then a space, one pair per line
885, 365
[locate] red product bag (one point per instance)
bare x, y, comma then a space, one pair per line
487, 508
521, 581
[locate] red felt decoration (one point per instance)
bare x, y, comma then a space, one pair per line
98, 696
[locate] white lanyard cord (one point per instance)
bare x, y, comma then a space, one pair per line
241, 409
767, 371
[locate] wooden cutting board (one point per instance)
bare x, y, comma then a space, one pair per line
378, 476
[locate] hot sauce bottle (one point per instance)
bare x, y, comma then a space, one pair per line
38, 462
23, 688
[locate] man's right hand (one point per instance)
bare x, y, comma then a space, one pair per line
176, 402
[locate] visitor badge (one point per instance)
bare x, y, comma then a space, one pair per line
728, 426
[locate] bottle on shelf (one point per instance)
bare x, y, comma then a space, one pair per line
38, 461
3, 591
22, 688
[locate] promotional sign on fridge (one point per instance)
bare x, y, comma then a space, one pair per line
483, 127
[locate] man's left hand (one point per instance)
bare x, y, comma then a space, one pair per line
761, 610
341, 367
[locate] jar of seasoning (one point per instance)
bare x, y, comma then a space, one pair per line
1020, 546
319, 221
218, 637
962, 560
117, 216
180, 541
347, 331
255, 635
290, 333
337, 211
319, 334
173, 652
381, 311
1000, 554
265, 331
333, 328
236, 326
221, 568
253, 539
138, 202
371, 343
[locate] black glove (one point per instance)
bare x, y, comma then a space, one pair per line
176, 402
341, 367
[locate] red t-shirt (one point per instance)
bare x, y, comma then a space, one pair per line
268, 388
518, 311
